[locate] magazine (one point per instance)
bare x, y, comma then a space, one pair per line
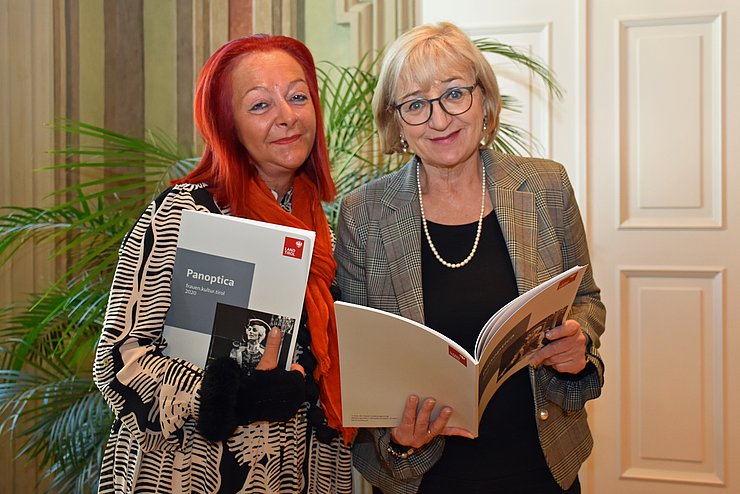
385, 357
233, 280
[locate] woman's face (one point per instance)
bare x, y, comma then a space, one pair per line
254, 332
273, 112
444, 140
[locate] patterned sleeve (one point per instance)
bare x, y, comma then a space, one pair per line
568, 391
151, 394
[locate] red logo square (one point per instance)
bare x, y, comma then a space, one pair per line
567, 281
457, 356
293, 247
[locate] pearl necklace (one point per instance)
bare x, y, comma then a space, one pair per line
480, 222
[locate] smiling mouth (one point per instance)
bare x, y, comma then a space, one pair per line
287, 140
445, 138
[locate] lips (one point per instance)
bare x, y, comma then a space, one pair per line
445, 139
287, 140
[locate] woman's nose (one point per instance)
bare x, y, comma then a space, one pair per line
286, 114
439, 119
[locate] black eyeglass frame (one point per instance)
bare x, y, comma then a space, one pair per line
438, 99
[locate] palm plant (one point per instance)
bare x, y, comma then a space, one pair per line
48, 401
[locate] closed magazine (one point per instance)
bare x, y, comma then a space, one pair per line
234, 279
386, 357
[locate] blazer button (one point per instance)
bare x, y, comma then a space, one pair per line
544, 414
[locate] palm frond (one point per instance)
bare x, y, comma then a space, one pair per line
48, 402
532, 63
59, 418
346, 95
62, 323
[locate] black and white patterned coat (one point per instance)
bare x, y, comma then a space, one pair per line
154, 446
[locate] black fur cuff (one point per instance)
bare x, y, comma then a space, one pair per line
218, 399
231, 396
273, 395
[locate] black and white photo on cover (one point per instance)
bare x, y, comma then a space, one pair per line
241, 333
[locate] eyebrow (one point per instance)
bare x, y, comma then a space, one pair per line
291, 84
414, 94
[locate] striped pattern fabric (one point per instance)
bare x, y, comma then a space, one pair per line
154, 446
379, 264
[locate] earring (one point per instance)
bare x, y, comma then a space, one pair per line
404, 145
485, 122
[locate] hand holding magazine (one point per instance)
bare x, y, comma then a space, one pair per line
385, 357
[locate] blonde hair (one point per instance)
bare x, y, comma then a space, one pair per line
414, 58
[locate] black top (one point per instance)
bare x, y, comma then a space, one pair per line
506, 457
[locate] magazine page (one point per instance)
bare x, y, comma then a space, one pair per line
511, 338
385, 358
505, 312
232, 281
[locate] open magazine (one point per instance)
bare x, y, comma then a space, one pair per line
233, 280
385, 357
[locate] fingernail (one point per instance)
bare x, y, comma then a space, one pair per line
275, 331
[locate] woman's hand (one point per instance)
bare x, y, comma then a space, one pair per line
231, 395
269, 358
566, 351
417, 430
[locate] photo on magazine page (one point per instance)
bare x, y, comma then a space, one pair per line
242, 333
530, 341
510, 353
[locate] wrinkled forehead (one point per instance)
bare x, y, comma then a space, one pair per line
428, 65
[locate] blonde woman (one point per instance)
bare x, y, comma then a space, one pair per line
447, 240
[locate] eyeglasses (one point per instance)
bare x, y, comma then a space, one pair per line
454, 101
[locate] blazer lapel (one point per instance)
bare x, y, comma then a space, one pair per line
400, 230
516, 213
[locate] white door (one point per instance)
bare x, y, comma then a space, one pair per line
650, 134
665, 200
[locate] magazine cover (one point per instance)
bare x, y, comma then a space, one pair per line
233, 280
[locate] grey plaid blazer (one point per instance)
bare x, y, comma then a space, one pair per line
378, 257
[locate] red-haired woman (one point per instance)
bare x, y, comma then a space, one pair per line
179, 428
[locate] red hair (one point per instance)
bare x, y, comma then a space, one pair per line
226, 164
